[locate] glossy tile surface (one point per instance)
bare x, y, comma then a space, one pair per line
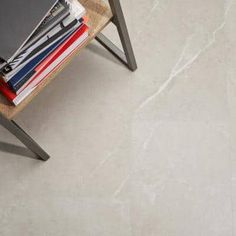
138, 154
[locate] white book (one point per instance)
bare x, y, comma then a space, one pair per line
33, 85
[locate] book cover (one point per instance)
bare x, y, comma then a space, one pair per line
27, 13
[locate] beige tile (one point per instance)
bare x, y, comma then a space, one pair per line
181, 181
144, 153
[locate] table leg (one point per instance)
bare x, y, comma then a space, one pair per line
17, 131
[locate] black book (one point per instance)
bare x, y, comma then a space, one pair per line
18, 21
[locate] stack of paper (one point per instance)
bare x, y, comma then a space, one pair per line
28, 59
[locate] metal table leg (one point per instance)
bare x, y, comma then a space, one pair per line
127, 57
17, 131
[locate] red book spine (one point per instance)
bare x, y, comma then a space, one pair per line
6, 91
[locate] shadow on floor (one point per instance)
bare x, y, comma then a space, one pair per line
17, 150
103, 53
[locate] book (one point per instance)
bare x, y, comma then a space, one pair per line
69, 45
16, 81
47, 68
28, 14
30, 71
56, 15
55, 37
64, 12
35, 50
34, 39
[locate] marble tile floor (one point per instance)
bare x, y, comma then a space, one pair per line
150, 153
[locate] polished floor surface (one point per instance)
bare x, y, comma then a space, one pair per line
150, 153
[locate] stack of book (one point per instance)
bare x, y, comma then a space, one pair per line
24, 64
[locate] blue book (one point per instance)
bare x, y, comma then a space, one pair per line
28, 70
